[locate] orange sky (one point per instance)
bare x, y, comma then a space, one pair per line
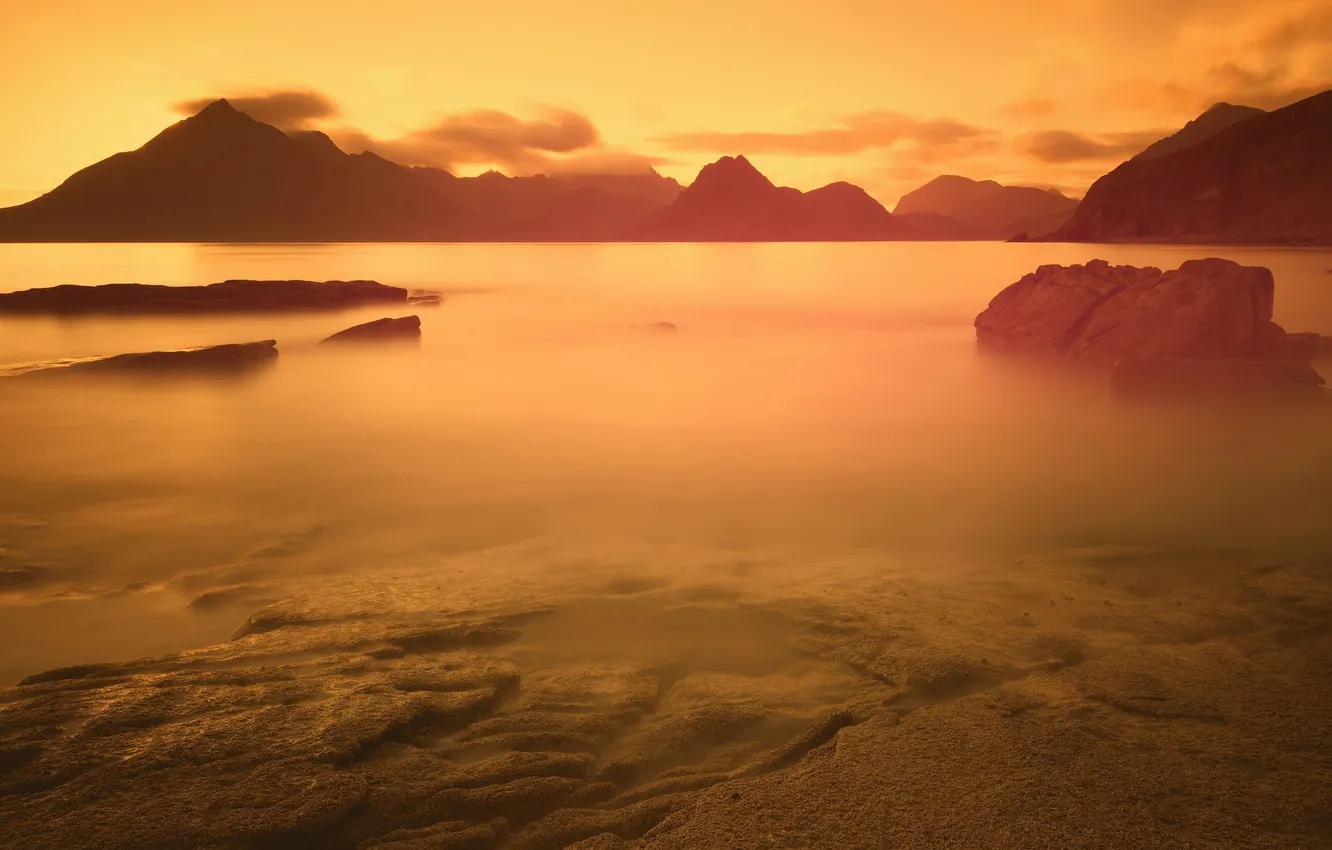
886, 94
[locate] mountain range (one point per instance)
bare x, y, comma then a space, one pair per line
1233, 174
987, 210
1262, 179
221, 176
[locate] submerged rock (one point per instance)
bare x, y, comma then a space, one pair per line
234, 357
425, 298
230, 296
406, 327
1146, 378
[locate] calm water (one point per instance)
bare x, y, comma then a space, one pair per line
816, 398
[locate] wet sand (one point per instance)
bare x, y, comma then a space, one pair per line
1108, 697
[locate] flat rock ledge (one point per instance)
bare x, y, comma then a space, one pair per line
229, 358
380, 330
229, 296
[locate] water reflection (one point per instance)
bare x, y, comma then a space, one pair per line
813, 399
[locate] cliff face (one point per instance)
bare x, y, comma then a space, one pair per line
1263, 180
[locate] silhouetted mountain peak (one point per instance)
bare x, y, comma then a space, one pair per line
1217, 118
988, 208
220, 112
731, 173
313, 140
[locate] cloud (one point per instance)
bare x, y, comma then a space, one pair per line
604, 161
287, 110
1060, 147
1030, 109
483, 137
1273, 58
558, 141
940, 137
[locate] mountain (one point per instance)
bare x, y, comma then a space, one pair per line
1263, 180
221, 176
1219, 117
988, 210
730, 201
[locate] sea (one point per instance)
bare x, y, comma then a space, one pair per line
812, 398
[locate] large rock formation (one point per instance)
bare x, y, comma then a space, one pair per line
1158, 326
1262, 180
988, 209
229, 296
406, 327
233, 357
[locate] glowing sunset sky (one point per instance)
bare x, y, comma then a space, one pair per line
885, 94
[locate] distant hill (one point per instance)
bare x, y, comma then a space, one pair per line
1221, 116
731, 201
1264, 179
988, 210
222, 176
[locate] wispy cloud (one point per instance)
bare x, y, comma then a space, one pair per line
936, 137
289, 110
1060, 147
556, 141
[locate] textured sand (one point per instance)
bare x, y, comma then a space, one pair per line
1097, 698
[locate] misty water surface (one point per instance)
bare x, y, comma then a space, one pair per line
816, 398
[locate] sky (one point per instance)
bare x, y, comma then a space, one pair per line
885, 94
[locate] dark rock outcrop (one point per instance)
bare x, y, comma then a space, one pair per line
230, 296
404, 328
1262, 180
425, 298
988, 209
1099, 313
235, 357
1202, 330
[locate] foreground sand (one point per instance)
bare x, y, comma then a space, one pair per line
1112, 697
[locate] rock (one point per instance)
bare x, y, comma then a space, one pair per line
406, 327
1098, 313
661, 327
425, 300
235, 357
1148, 378
229, 296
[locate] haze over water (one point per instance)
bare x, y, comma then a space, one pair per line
817, 398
